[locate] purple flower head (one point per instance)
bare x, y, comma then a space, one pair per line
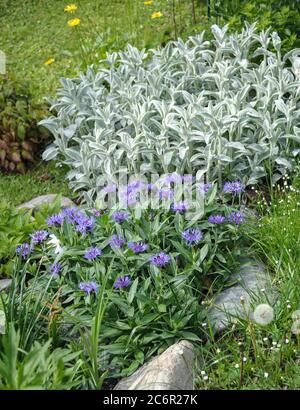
93, 253
187, 178
151, 187
192, 236
234, 188
128, 194
160, 259
56, 220
120, 216
71, 214
216, 219
128, 198
180, 207
24, 250
135, 185
138, 247
96, 212
88, 287
109, 188
85, 224
236, 217
116, 241
55, 269
165, 193
122, 282
131, 199
204, 188
173, 178
39, 236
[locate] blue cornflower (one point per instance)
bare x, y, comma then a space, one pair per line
39, 236
138, 247
122, 282
85, 224
55, 268
24, 250
56, 220
128, 193
88, 287
192, 236
120, 216
216, 219
204, 188
109, 188
151, 187
93, 253
234, 187
135, 185
72, 215
180, 207
116, 241
236, 217
160, 259
172, 178
128, 198
96, 212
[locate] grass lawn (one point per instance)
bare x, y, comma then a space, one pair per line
44, 179
32, 33
105, 26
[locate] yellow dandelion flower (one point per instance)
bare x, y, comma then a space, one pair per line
156, 15
148, 3
70, 8
50, 61
73, 22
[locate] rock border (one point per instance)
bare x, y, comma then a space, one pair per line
253, 284
48, 199
171, 370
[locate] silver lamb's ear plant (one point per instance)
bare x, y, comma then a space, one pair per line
230, 107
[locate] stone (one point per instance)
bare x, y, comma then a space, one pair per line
5, 283
39, 201
2, 322
171, 370
253, 285
249, 213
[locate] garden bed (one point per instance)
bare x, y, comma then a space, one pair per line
181, 160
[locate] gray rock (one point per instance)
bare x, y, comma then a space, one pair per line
253, 284
37, 202
2, 322
5, 283
249, 213
172, 370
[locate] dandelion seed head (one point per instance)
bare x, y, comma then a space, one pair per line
263, 314
296, 327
